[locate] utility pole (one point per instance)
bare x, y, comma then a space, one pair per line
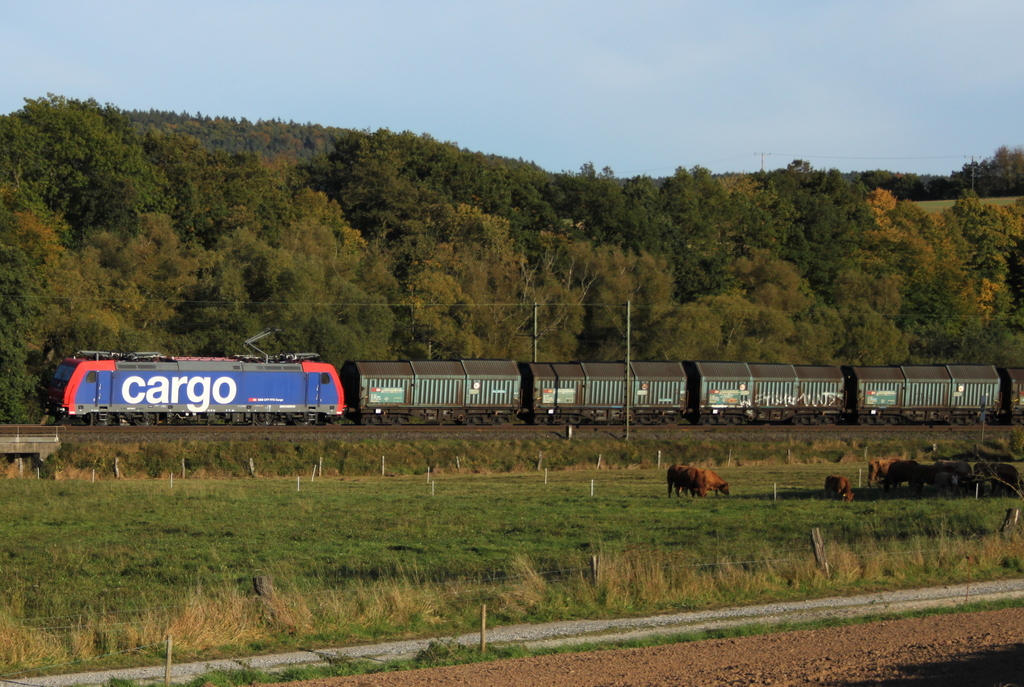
974, 169
629, 389
536, 335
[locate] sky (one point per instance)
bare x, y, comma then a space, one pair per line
642, 87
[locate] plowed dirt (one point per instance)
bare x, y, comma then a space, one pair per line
964, 650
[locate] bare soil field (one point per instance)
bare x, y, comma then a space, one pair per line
966, 650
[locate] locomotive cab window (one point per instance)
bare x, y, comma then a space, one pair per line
325, 378
91, 377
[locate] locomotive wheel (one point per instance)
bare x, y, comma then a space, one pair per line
299, 419
263, 419
142, 419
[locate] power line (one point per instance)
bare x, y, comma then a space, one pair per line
851, 157
690, 306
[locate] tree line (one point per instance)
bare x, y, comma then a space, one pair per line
388, 245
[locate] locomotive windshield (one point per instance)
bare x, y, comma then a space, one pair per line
62, 375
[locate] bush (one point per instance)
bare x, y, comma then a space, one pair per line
1017, 440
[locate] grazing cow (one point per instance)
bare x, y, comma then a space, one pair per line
877, 470
837, 485
925, 474
899, 471
706, 481
947, 483
1004, 477
961, 468
678, 479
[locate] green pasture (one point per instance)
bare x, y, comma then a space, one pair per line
940, 205
73, 546
90, 570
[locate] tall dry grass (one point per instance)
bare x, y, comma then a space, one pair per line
631, 581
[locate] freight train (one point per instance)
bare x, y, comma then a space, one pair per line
103, 388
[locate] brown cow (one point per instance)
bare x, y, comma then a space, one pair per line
925, 474
877, 470
899, 471
678, 479
837, 485
706, 481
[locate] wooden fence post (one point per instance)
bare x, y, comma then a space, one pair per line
167, 666
819, 550
263, 585
1010, 522
483, 628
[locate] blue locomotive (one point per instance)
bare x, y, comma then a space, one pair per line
106, 388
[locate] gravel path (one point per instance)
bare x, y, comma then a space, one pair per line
585, 631
983, 649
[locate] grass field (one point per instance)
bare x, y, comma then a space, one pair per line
87, 569
940, 205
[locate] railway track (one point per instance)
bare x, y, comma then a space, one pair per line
345, 432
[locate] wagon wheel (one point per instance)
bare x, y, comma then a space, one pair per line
142, 419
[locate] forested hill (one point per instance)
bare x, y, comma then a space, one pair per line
395, 245
270, 140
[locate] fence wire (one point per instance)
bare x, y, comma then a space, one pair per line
477, 587
3, 678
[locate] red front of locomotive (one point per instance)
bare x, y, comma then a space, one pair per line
74, 386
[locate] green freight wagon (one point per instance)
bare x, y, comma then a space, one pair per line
432, 391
